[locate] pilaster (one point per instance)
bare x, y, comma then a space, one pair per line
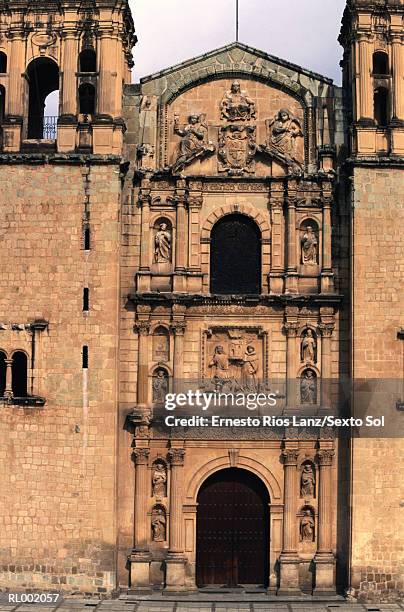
289, 559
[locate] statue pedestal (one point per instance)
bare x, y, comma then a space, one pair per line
325, 571
289, 575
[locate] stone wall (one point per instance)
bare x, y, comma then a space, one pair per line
58, 461
378, 295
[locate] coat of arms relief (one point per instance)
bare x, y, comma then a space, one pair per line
237, 145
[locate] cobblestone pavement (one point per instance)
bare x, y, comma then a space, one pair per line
194, 604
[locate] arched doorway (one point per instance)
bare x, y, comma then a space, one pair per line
235, 256
232, 532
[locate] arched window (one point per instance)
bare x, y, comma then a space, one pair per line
2, 103
3, 62
380, 63
87, 61
235, 258
19, 374
381, 104
3, 370
43, 78
87, 99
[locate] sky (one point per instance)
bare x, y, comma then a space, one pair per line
302, 31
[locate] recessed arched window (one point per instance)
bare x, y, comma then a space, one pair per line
3, 62
381, 106
380, 63
87, 99
87, 61
19, 374
3, 371
43, 78
2, 103
235, 256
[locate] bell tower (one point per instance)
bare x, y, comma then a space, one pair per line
82, 50
373, 70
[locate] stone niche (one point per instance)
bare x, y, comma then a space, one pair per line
234, 358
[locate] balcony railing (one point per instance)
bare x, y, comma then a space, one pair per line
42, 128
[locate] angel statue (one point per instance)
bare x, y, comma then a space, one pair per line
194, 140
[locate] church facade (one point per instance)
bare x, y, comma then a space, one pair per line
229, 225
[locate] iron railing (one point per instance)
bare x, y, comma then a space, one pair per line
42, 127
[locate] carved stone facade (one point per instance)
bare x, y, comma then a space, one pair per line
213, 252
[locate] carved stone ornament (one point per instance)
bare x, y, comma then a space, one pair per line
290, 456
237, 149
159, 479
159, 524
141, 456
307, 481
176, 456
308, 387
283, 130
194, 142
309, 243
236, 104
142, 328
307, 527
43, 39
234, 359
308, 347
162, 244
325, 456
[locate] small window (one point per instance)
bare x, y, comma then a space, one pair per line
87, 61
381, 103
3, 62
85, 357
19, 374
87, 99
3, 371
86, 299
87, 238
380, 63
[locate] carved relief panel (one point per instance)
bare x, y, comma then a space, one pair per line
234, 358
241, 127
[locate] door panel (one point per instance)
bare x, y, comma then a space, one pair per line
232, 530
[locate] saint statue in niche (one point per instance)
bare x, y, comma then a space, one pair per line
236, 105
159, 480
308, 388
309, 247
307, 527
284, 129
220, 364
162, 244
250, 368
158, 525
307, 481
160, 386
308, 347
194, 140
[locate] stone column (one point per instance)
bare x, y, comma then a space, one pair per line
397, 47
140, 578
194, 234
175, 562
277, 266
181, 239
291, 328
324, 558
69, 83
8, 391
178, 327
143, 328
289, 560
291, 272
326, 329
144, 200
327, 282
16, 67
365, 82
106, 82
